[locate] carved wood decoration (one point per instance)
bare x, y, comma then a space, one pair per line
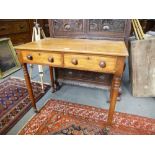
65, 27
108, 29
107, 25
91, 28
111, 29
68, 25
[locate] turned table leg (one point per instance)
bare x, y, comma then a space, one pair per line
52, 79
113, 94
29, 86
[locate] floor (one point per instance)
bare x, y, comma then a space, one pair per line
89, 96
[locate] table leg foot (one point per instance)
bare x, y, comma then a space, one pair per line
53, 90
35, 110
106, 130
57, 86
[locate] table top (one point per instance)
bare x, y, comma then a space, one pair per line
84, 46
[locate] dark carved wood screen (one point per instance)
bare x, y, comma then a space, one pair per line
92, 28
111, 29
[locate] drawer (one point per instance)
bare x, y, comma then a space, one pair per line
90, 62
32, 57
13, 27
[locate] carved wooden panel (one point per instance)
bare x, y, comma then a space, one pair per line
113, 29
107, 25
67, 27
75, 25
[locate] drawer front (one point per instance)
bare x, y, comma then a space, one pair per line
52, 59
13, 27
90, 63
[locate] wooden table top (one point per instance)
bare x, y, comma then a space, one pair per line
84, 46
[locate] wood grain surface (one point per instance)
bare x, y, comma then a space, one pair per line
83, 46
142, 67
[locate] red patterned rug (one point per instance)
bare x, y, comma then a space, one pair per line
14, 101
65, 118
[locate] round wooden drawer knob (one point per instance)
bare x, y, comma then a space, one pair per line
102, 64
29, 57
74, 61
51, 59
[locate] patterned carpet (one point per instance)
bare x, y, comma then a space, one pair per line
14, 101
65, 118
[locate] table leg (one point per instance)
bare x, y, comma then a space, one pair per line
57, 85
113, 97
41, 74
119, 94
52, 79
29, 86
